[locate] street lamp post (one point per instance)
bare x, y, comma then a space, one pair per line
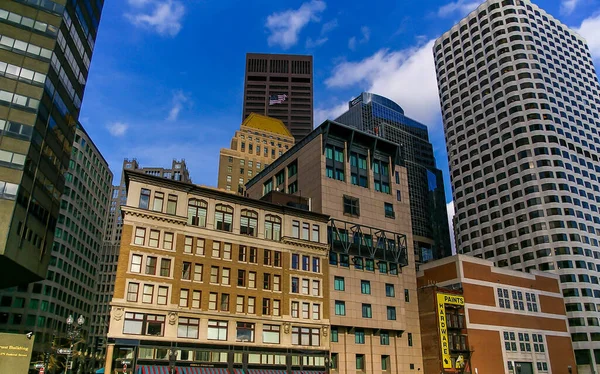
73, 333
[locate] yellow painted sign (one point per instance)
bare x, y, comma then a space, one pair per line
442, 300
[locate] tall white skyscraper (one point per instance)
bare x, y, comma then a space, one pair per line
520, 102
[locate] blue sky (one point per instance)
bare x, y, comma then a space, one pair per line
167, 75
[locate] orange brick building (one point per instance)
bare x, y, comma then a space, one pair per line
507, 322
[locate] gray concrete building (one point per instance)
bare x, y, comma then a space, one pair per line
70, 285
45, 53
520, 102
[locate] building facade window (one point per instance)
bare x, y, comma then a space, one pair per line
217, 330
249, 222
197, 210
223, 217
351, 206
272, 227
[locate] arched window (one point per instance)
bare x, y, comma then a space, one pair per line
249, 222
223, 217
197, 212
272, 227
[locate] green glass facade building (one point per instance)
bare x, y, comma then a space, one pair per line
45, 52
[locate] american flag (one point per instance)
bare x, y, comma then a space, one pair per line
277, 99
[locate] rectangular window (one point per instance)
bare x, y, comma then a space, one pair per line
277, 259
155, 325
214, 274
188, 327
217, 330
367, 312
243, 253
385, 362
251, 279
316, 265
186, 271
295, 285
132, 292
276, 283
315, 233
226, 251
384, 338
212, 301
316, 288
306, 263
144, 199
241, 282
295, 309
244, 332
198, 272
305, 231
196, 299
296, 229
503, 298
251, 305
133, 323
266, 307
305, 286
391, 313
365, 287
351, 206
266, 281
359, 336
168, 241
151, 265
295, 261
216, 251
276, 308
172, 204
224, 302
360, 362
389, 290
406, 295
389, 210
267, 257
225, 274
240, 304
253, 258
136, 263
270, 334
200, 246
162, 296
148, 294
340, 308
339, 284
183, 297
305, 310
159, 198
140, 236
165, 267
410, 338
316, 311
154, 238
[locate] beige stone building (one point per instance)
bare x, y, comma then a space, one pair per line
358, 180
259, 141
212, 282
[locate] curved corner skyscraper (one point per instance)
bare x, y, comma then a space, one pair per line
380, 116
520, 102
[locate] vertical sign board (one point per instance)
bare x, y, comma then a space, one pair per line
15, 353
442, 300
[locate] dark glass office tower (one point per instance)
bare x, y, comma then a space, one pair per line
274, 75
382, 117
45, 52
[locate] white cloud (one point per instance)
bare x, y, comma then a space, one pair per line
406, 77
329, 26
568, 6
315, 43
462, 7
179, 99
590, 30
138, 3
450, 211
162, 16
366, 33
117, 128
284, 27
352, 43
322, 114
